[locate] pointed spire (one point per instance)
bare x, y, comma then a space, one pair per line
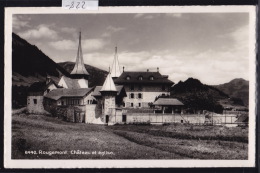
79, 67
109, 84
115, 72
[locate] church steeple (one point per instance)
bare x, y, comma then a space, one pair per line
115, 72
79, 70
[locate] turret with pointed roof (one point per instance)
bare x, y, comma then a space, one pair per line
108, 92
115, 71
109, 84
79, 71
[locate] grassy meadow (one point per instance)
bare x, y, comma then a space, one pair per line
38, 136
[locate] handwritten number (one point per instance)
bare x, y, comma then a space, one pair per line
83, 4
78, 5
72, 5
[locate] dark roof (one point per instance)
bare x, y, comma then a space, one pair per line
64, 92
41, 86
134, 78
168, 102
242, 118
71, 83
97, 89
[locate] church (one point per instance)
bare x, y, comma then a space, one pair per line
73, 100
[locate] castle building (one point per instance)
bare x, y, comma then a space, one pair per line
143, 87
73, 100
79, 75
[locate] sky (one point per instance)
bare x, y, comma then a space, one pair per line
212, 47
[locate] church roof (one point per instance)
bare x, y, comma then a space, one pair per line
142, 77
168, 102
56, 94
40, 87
109, 84
115, 71
79, 67
119, 89
71, 83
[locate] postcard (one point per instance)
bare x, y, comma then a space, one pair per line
130, 87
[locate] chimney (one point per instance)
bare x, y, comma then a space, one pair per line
147, 70
157, 69
123, 69
48, 79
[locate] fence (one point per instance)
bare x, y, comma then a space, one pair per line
146, 117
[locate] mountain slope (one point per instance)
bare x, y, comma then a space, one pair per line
30, 64
198, 96
96, 75
236, 89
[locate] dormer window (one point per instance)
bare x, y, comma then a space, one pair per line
151, 78
128, 78
140, 78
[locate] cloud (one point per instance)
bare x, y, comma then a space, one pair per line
114, 29
175, 15
149, 17
64, 45
93, 44
241, 37
42, 31
111, 30
19, 21
68, 30
138, 15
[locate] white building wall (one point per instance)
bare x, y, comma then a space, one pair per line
51, 87
35, 104
62, 83
83, 83
149, 93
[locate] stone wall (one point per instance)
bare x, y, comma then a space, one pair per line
145, 118
93, 114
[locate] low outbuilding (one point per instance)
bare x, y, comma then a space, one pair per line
168, 105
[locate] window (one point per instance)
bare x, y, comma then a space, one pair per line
62, 102
140, 95
132, 87
140, 78
140, 87
132, 104
35, 101
128, 77
132, 96
139, 104
151, 78
123, 104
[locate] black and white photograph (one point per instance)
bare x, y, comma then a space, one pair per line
130, 87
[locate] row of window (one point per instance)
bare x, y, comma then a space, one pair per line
138, 96
132, 104
140, 78
140, 87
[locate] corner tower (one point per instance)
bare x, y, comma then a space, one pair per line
108, 92
79, 71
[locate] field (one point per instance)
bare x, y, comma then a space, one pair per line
42, 137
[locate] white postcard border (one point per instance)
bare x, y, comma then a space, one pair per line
11, 163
